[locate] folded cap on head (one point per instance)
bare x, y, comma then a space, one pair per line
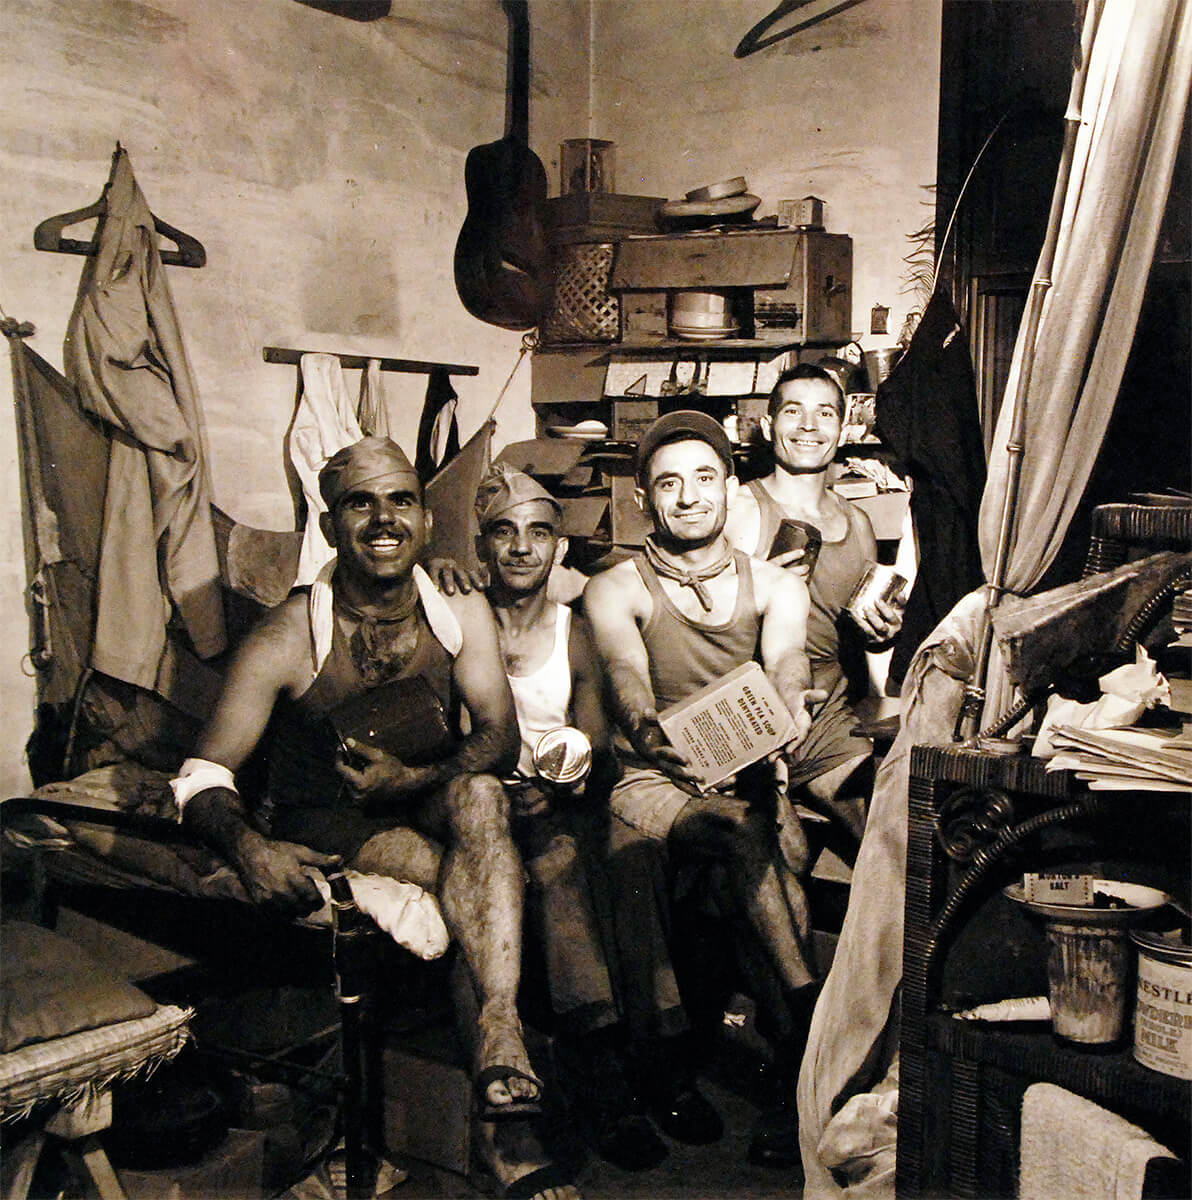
680, 426
503, 488
362, 462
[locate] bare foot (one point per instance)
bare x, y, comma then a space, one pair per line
502, 1047
513, 1153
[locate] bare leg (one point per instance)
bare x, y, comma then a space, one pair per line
480, 890
478, 879
723, 828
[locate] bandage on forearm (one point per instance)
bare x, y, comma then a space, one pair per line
200, 775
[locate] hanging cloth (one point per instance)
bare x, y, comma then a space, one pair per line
124, 354
927, 414
66, 514
438, 428
324, 422
849, 1044
451, 499
1130, 106
371, 411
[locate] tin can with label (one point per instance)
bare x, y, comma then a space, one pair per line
1163, 1013
563, 756
878, 583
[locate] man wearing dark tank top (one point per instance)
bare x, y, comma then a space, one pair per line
680, 615
803, 427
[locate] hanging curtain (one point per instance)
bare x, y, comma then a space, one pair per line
1131, 111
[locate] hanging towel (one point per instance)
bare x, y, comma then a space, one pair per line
1076, 1149
324, 423
442, 621
124, 354
371, 410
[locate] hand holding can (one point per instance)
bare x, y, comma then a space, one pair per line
796, 535
877, 602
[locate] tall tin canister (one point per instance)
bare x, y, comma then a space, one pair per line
1163, 1014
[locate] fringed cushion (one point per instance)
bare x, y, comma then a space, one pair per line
53, 989
70, 1069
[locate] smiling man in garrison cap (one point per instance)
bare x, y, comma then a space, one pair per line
433, 815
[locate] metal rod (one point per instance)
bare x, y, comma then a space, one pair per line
410, 366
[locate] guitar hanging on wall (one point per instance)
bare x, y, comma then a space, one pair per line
502, 262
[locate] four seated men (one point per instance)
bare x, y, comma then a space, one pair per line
657, 627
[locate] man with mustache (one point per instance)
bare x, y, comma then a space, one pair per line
373, 619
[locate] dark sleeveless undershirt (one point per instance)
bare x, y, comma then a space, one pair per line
685, 653
302, 744
839, 566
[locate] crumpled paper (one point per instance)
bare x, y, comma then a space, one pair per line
1126, 693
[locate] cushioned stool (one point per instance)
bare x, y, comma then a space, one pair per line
69, 1029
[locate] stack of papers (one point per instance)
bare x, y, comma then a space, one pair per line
1109, 759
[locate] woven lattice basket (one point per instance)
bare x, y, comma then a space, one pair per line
584, 310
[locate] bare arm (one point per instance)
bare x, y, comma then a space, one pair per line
785, 604
878, 620
493, 741
271, 660
587, 703
615, 603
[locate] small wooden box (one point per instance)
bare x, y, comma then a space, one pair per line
631, 418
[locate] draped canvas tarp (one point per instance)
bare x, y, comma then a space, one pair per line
1130, 109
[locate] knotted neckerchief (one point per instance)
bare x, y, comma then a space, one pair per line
380, 646
665, 566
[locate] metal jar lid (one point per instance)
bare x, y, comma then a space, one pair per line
1163, 947
563, 755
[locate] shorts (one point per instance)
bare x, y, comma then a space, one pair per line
344, 828
831, 740
650, 801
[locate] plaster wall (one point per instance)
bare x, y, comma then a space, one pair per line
320, 162
846, 110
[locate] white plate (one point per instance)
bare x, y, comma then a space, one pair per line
585, 431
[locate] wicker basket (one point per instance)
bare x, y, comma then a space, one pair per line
584, 310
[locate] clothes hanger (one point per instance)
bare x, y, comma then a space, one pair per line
48, 235
756, 38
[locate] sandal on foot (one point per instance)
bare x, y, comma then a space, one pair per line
526, 1187
516, 1108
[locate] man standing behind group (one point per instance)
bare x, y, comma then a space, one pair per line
371, 619
804, 424
681, 615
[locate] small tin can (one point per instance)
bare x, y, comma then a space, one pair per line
879, 582
563, 755
797, 535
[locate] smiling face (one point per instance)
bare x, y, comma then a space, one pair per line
687, 492
805, 426
521, 546
378, 528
